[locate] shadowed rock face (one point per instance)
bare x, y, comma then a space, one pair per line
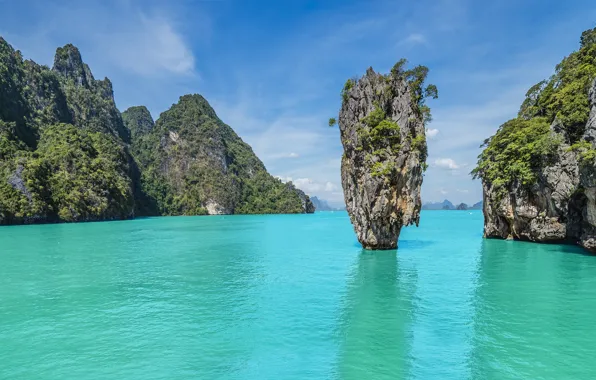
384, 143
560, 206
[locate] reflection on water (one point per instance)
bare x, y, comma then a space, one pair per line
376, 322
535, 308
408, 314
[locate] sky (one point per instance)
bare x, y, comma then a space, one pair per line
273, 70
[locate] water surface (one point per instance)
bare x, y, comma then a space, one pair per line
290, 297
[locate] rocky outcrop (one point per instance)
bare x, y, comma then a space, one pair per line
588, 184
559, 207
538, 170
193, 163
90, 101
307, 205
383, 136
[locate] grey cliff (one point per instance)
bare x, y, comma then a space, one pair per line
382, 165
559, 207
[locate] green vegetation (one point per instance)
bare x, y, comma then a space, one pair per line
419, 143
73, 175
65, 153
190, 158
347, 87
382, 169
264, 194
416, 78
380, 131
332, 121
515, 152
565, 95
380, 136
524, 145
585, 151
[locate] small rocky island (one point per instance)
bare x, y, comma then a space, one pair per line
538, 171
382, 126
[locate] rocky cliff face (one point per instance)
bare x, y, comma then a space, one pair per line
90, 101
561, 205
307, 205
383, 136
193, 163
586, 222
538, 172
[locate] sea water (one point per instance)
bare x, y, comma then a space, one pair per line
291, 297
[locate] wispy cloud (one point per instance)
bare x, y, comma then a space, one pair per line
446, 163
148, 45
431, 133
414, 39
311, 186
138, 39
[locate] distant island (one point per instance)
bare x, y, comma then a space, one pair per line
447, 205
322, 205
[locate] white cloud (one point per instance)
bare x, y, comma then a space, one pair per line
464, 191
431, 133
148, 45
330, 186
446, 163
293, 155
414, 39
310, 186
127, 35
442, 191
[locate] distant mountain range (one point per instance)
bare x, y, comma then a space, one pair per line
447, 205
322, 205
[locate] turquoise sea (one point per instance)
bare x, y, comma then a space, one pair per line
290, 297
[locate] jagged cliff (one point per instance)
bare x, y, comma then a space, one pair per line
538, 170
62, 143
382, 131
66, 154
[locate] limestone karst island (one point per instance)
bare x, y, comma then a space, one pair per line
297, 190
381, 124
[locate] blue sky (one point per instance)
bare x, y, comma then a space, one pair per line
273, 70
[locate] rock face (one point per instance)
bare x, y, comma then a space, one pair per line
90, 101
383, 136
539, 170
307, 205
587, 178
560, 206
193, 163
